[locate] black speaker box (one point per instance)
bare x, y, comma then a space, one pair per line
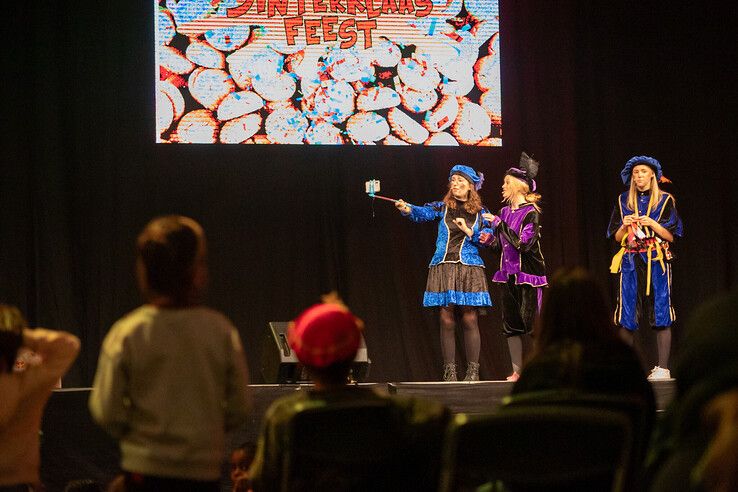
280, 365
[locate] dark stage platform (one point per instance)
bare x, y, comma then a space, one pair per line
73, 447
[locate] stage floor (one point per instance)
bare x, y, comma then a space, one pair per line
73, 447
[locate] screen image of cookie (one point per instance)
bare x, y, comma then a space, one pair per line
344, 72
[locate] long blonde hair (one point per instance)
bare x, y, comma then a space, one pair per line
655, 195
529, 196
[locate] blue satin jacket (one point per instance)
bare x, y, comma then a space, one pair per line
468, 253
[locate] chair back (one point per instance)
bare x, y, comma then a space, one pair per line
538, 449
352, 446
634, 408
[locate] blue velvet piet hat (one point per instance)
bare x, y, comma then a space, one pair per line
627, 171
470, 174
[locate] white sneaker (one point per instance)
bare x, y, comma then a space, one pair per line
659, 373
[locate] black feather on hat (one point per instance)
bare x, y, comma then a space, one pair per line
527, 171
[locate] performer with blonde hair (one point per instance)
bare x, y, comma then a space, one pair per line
522, 273
645, 222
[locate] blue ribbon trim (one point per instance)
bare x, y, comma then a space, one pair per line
455, 297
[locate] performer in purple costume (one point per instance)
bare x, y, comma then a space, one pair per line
522, 272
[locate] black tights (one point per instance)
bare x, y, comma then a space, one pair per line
472, 342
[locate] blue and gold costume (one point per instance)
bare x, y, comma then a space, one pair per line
644, 263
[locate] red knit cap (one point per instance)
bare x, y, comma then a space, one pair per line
325, 334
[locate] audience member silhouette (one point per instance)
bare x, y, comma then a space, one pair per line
576, 345
325, 339
171, 377
696, 443
240, 461
24, 392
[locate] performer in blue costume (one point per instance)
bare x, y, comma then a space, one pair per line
456, 272
645, 222
522, 273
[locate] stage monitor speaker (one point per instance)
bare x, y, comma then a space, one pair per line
280, 365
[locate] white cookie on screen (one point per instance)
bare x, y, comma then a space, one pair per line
197, 126
185, 11
164, 112
173, 60
204, 55
443, 115
458, 88
272, 106
406, 128
487, 73
165, 29
240, 129
418, 75
418, 101
307, 63
392, 140
472, 124
441, 138
174, 95
436, 52
323, 133
367, 127
333, 102
193, 76
349, 65
491, 142
375, 98
308, 85
385, 53
228, 38
492, 103
254, 59
237, 104
210, 86
459, 66
274, 87
286, 126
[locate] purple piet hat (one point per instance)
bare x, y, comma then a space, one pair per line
527, 170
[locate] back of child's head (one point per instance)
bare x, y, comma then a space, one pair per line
12, 323
170, 253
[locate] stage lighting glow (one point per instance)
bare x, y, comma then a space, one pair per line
361, 72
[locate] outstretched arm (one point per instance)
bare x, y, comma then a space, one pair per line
426, 213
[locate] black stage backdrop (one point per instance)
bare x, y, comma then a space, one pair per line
586, 85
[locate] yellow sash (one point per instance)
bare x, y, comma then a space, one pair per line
617, 260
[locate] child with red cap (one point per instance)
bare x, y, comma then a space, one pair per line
325, 339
